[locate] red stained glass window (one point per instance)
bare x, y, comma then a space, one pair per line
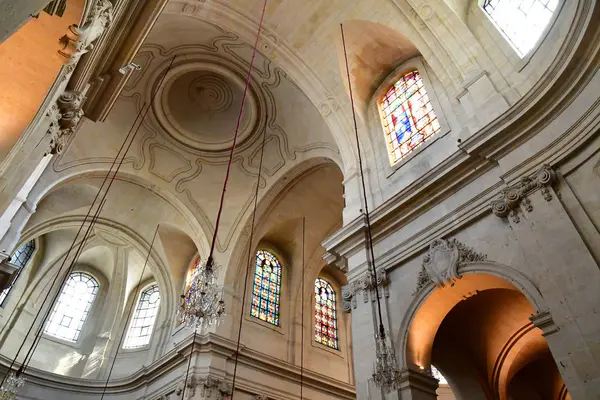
267, 288
325, 314
407, 116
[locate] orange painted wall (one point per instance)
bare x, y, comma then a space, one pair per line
29, 64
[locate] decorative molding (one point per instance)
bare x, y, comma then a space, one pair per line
544, 321
441, 263
80, 40
517, 195
64, 117
365, 285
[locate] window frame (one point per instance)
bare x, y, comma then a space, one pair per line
343, 324
283, 314
314, 312
128, 323
87, 323
381, 146
500, 38
18, 274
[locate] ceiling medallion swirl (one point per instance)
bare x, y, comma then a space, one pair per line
198, 102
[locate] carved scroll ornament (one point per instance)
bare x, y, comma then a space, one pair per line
366, 286
64, 117
441, 263
515, 196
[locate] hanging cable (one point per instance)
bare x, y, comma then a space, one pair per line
129, 314
110, 182
302, 313
210, 260
131, 134
364, 190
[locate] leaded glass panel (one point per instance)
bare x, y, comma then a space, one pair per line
325, 314
20, 258
267, 288
522, 22
407, 116
72, 307
142, 322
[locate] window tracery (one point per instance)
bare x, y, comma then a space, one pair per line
521, 22
407, 116
20, 258
72, 307
326, 331
144, 317
267, 288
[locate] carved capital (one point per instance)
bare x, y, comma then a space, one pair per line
513, 197
64, 117
440, 264
214, 389
79, 40
544, 321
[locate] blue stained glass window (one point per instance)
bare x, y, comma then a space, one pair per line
407, 116
325, 314
20, 258
267, 288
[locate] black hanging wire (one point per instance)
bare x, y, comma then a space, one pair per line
131, 134
364, 190
110, 182
302, 307
129, 314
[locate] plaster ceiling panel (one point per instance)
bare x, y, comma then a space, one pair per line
101, 258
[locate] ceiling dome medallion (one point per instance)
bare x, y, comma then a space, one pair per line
199, 102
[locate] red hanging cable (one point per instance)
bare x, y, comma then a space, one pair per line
235, 137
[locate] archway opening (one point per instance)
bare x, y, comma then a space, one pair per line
478, 333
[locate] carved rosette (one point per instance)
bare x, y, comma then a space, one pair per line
64, 117
511, 198
441, 263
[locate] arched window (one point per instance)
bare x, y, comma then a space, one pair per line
407, 116
325, 314
521, 22
267, 288
20, 258
142, 322
72, 307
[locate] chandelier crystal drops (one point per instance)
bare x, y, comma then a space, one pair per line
386, 374
11, 386
202, 304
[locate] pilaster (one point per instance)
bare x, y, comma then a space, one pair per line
566, 275
417, 385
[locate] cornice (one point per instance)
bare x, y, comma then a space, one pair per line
211, 344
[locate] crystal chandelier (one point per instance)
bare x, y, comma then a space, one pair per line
202, 305
8, 391
386, 374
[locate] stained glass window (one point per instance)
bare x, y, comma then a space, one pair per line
20, 258
72, 307
438, 375
407, 116
325, 314
142, 322
522, 22
267, 288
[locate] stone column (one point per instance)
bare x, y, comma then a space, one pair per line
566, 274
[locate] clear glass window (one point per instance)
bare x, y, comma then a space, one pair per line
72, 307
142, 322
521, 22
407, 116
325, 314
20, 258
267, 288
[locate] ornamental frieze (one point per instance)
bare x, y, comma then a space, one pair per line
365, 285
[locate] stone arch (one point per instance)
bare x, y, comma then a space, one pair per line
487, 290
496, 276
